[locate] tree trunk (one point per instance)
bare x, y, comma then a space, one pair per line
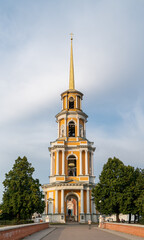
117, 217
18, 217
129, 217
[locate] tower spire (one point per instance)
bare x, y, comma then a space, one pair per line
71, 78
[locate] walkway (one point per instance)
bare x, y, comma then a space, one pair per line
79, 232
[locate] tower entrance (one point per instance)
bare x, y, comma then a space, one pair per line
72, 208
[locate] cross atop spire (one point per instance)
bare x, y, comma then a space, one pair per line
71, 79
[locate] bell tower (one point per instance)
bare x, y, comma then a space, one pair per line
68, 195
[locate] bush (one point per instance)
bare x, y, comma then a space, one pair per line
141, 221
14, 222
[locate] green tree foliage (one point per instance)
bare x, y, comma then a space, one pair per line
120, 189
127, 203
139, 192
22, 196
108, 191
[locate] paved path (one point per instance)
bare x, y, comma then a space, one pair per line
79, 232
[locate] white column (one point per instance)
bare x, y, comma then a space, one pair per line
62, 201
86, 162
88, 203
58, 129
92, 170
78, 126
80, 162
63, 162
51, 164
57, 163
82, 203
56, 201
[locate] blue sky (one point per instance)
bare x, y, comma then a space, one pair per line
34, 71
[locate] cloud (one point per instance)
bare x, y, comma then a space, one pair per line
125, 140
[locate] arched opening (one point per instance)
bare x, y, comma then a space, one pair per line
71, 103
72, 208
71, 129
72, 169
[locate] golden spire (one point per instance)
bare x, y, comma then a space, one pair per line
71, 79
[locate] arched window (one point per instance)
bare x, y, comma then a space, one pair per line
62, 131
71, 102
81, 131
72, 171
71, 129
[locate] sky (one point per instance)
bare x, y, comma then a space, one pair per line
108, 49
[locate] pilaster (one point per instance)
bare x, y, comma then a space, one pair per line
56, 201
62, 201
57, 163
82, 202
86, 162
88, 202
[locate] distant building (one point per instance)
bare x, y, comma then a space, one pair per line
68, 195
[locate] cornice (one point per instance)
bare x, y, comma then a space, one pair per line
68, 148
59, 184
72, 91
68, 112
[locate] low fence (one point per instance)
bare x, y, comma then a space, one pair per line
20, 231
134, 229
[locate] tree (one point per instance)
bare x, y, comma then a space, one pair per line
108, 192
22, 196
127, 202
139, 192
132, 201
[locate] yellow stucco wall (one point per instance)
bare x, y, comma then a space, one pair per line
64, 102
85, 201
59, 201
78, 102
62, 122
